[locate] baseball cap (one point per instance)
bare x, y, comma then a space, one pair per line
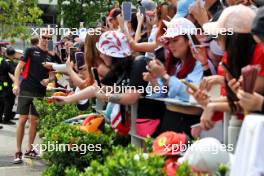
183, 8
114, 13
149, 5
170, 143
238, 18
206, 155
10, 51
178, 26
113, 44
258, 24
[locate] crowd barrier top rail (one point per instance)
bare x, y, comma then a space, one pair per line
177, 102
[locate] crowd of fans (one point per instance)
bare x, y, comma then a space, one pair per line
182, 48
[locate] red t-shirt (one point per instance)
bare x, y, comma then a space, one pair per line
257, 59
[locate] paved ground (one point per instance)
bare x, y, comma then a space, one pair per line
7, 149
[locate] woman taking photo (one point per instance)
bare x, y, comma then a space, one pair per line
240, 50
180, 64
123, 71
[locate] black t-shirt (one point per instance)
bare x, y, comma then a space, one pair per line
6, 66
34, 72
147, 108
136, 74
132, 77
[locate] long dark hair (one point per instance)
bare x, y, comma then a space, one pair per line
240, 49
189, 65
119, 67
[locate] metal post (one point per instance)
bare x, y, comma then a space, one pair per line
226, 123
233, 130
135, 140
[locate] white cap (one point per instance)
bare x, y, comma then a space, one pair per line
237, 18
114, 44
206, 155
179, 26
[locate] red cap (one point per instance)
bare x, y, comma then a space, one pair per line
169, 143
114, 12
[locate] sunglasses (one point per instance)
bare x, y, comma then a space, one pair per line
45, 38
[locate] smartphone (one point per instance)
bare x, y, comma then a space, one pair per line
73, 50
50, 45
103, 21
192, 42
142, 10
160, 54
127, 10
96, 76
79, 58
190, 85
227, 70
63, 54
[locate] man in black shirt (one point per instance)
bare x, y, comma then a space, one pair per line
34, 81
7, 98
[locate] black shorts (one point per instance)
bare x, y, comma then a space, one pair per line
25, 104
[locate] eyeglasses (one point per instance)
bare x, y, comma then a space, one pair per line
45, 38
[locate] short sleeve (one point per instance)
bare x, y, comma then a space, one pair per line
11, 68
258, 58
136, 75
27, 54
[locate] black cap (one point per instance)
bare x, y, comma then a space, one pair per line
258, 24
10, 51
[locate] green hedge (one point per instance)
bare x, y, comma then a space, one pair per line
81, 148
51, 115
128, 161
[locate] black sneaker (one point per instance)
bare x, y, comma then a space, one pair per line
32, 154
1, 127
18, 158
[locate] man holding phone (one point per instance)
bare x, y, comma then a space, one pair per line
34, 81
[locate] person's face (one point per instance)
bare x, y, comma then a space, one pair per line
44, 40
112, 23
102, 70
178, 46
115, 23
164, 12
152, 18
107, 60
